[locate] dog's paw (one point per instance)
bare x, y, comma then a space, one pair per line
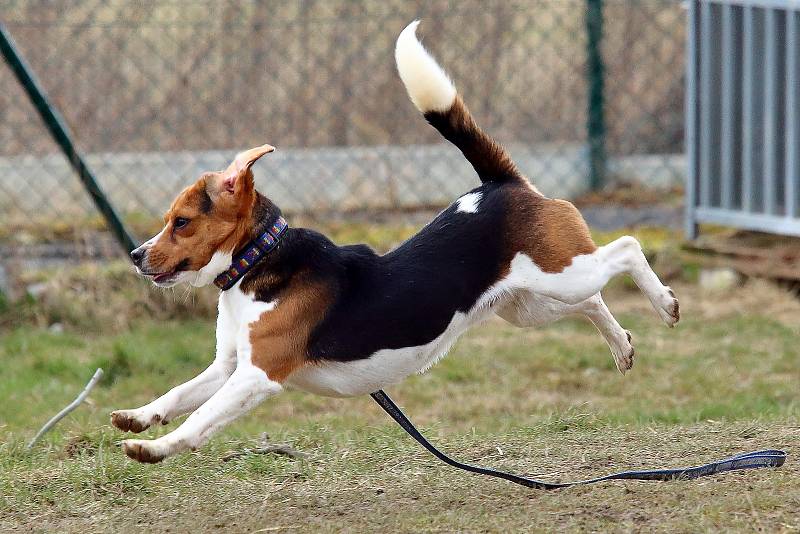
668, 308
143, 450
132, 420
624, 355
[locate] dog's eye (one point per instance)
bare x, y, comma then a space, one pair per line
180, 222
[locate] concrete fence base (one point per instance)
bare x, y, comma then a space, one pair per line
303, 180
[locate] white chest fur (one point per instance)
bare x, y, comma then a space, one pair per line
237, 312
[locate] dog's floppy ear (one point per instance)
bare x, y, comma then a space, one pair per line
238, 176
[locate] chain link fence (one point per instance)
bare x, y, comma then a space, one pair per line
156, 92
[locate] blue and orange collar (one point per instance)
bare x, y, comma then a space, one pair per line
251, 255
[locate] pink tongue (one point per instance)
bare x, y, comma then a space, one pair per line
161, 277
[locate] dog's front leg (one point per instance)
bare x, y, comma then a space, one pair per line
247, 387
188, 396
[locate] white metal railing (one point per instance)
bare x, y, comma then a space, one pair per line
743, 115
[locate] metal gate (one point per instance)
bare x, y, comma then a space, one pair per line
743, 115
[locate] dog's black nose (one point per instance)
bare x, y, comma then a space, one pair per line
137, 255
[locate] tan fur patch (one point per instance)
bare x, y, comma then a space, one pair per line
551, 232
279, 339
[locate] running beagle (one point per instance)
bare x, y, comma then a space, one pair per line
298, 311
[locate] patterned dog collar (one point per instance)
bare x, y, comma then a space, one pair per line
251, 255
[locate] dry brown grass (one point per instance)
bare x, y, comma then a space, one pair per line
102, 297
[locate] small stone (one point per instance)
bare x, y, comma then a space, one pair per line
36, 290
720, 279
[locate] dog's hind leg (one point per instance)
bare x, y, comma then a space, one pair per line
627, 253
527, 309
587, 274
618, 339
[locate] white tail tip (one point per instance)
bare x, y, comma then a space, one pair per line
427, 84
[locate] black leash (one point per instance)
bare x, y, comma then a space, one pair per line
749, 460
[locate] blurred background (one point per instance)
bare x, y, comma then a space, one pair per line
157, 92
612, 104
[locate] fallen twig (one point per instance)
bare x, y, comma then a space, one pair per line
74, 404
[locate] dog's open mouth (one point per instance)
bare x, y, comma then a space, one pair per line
160, 278
166, 277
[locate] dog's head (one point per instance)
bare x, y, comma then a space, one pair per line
206, 223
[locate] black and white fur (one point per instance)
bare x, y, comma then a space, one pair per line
389, 316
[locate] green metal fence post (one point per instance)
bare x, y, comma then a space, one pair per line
595, 71
58, 129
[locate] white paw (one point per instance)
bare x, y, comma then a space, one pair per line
144, 450
667, 306
624, 354
133, 420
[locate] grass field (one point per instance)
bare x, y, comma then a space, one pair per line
545, 402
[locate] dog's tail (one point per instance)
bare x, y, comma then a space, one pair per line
435, 96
